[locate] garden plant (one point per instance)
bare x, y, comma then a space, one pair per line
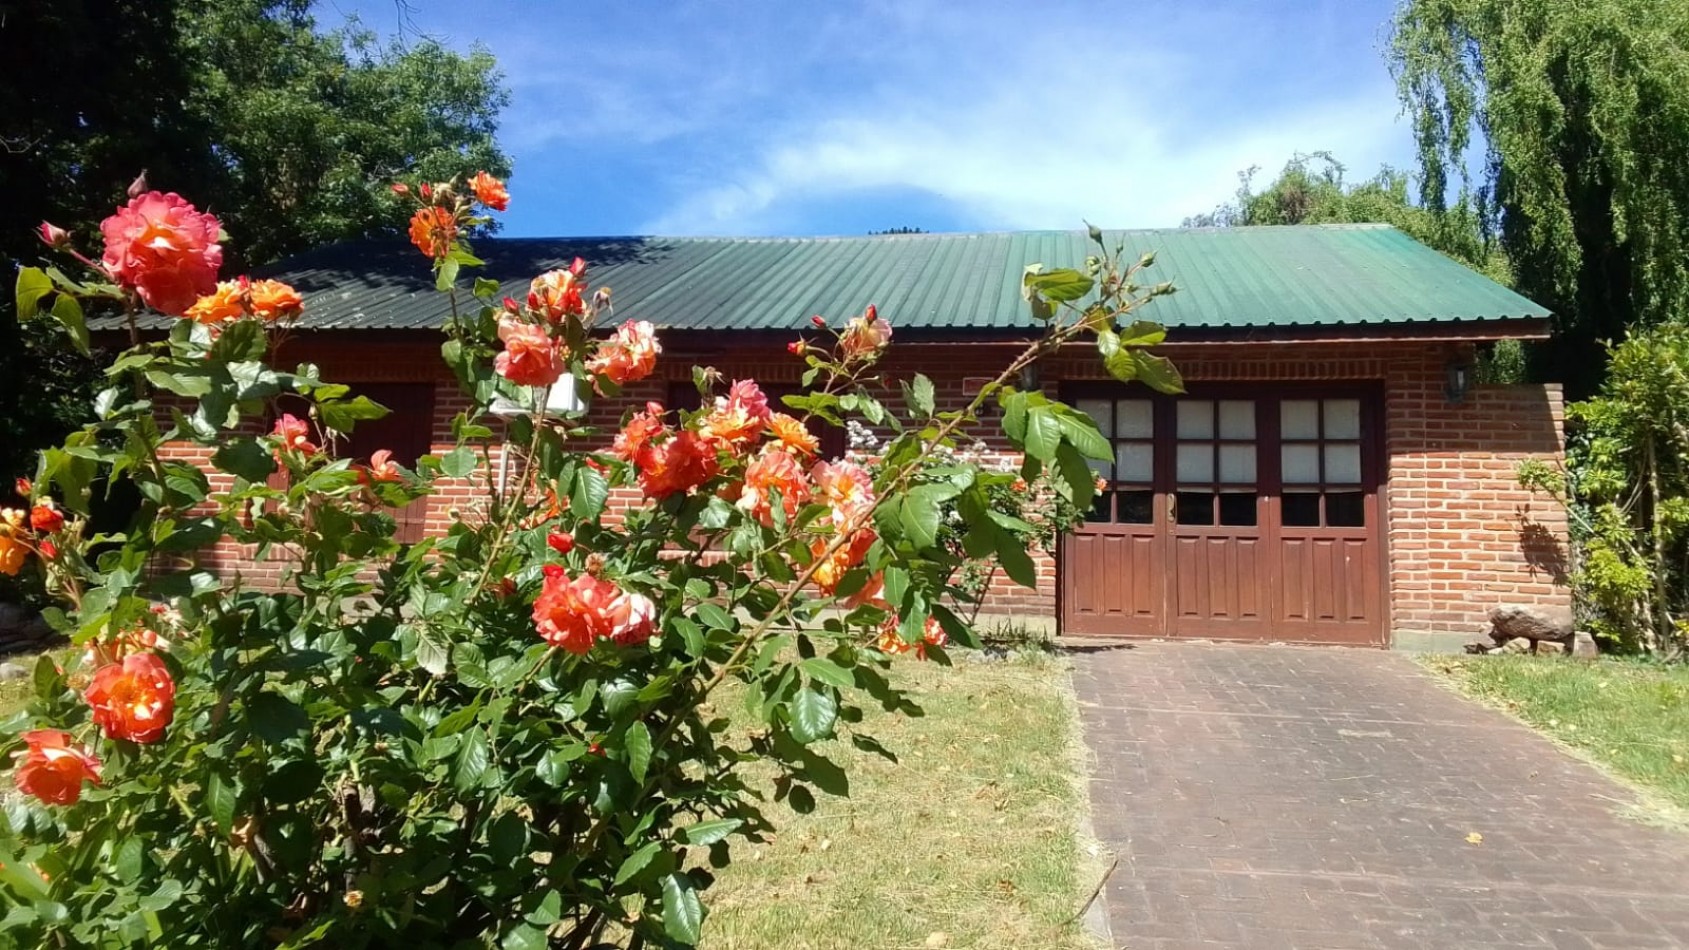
508, 735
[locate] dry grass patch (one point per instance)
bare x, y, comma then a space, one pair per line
969, 841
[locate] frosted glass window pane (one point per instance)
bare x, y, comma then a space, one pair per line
1134, 419
1342, 418
1237, 464
1196, 419
1237, 419
1097, 409
1300, 419
1135, 462
1301, 464
1343, 463
1196, 463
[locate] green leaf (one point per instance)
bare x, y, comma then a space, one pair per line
245, 458
714, 617
276, 719
33, 284
1120, 364
919, 514
68, 311
1077, 476
473, 756
342, 415
589, 493
1078, 430
1011, 554
683, 912
164, 898
525, 936
896, 581
48, 681
1043, 432
638, 742
447, 276
1014, 414
636, 862
921, 395
709, 832
459, 462
221, 793
814, 711
433, 649
1143, 333
1158, 372
1061, 284
127, 862
829, 672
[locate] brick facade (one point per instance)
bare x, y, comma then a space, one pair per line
1461, 537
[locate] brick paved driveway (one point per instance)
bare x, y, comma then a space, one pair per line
1267, 797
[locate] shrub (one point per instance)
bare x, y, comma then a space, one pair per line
503, 735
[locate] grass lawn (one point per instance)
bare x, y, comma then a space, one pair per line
1631, 717
968, 842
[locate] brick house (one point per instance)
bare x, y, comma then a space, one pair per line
1333, 474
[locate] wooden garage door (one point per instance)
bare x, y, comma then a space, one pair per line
1231, 514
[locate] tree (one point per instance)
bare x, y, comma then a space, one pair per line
1311, 190
291, 133
1582, 111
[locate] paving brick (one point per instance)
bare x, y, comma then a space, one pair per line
1313, 798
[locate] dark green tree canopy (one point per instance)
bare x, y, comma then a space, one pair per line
291, 135
1581, 108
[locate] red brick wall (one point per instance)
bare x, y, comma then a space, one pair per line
1462, 536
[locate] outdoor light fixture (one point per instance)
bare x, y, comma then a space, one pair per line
1029, 376
1458, 380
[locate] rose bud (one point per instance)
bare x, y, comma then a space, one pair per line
796, 347
819, 321
560, 541
53, 236
400, 188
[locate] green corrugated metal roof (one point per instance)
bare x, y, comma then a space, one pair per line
1252, 278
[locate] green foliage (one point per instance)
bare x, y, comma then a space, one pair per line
1582, 107
391, 748
1311, 190
1626, 485
290, 135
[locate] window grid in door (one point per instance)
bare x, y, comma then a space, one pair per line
1320, 463
1215, 462
1128, 496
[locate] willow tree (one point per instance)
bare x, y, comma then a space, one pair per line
1580, 112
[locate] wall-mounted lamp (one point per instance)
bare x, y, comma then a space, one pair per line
1029, 376
1457, 380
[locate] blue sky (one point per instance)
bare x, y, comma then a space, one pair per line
758, 117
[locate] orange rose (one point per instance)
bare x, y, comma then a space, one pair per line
865, 336
380, 468
629, 355
13, 551
274, 300
847, 489
641, 429
223, 304
793, 435
53, 770
134, 699
46, 517
557, 293
530, 358
294, 435
678, 465
434, 231
574, 614
889, 640
833, 568
773, 470
490, 191
739, 416
164, 249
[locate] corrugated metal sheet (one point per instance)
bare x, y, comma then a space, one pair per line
1322, 276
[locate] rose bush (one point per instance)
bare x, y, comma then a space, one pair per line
506, 735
